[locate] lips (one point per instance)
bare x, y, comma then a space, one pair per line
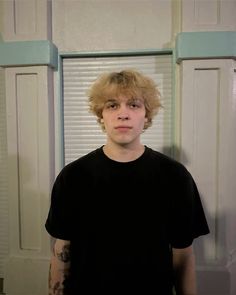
122, 127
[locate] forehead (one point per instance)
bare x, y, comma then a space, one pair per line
116, 91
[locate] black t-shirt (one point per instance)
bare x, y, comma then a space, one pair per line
123, 219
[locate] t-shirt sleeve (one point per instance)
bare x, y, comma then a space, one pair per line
188, 220
58, 222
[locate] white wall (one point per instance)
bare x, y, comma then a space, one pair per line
208, 141
30, 142
112, 25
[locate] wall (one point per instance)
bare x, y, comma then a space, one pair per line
207, 132
111, 25
3, 164
28, 77
32, 83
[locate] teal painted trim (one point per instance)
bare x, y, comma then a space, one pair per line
173, 108
201, 45
28, 53
61, 113
116, 53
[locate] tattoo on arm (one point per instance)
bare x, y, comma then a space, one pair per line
56, 288
64, 255
59, 287
59, 270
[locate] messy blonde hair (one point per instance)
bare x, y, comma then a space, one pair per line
130, 83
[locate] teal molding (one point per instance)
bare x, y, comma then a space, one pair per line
28, 53
116, 53
205, 45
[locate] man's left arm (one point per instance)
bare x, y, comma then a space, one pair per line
184, 271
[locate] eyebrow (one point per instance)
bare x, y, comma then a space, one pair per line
132, 99
110, 100
135, 99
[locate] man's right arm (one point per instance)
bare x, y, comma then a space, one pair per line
59, 267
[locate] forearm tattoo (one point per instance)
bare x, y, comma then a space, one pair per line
58, 286
64, 255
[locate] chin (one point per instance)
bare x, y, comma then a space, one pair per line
124, 141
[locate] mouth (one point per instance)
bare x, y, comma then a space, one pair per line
123, 127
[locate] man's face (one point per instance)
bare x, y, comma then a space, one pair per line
124, 119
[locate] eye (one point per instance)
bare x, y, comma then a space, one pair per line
111, 105
135, 104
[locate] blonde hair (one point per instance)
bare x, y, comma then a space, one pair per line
130, 83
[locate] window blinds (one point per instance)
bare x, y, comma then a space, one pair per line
82, 133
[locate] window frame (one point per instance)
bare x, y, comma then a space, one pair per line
59, 120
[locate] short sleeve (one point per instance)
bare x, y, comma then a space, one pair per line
188, 220
58, 223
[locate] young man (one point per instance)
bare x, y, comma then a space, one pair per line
124, 216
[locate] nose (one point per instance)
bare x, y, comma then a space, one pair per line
123, 117
123, 113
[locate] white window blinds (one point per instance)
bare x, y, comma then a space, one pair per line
82, 133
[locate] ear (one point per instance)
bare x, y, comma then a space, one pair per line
146, 120
101, 120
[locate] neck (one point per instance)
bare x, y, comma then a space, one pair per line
123, 153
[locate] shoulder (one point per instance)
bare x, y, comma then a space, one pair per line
80, 165
166, 163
